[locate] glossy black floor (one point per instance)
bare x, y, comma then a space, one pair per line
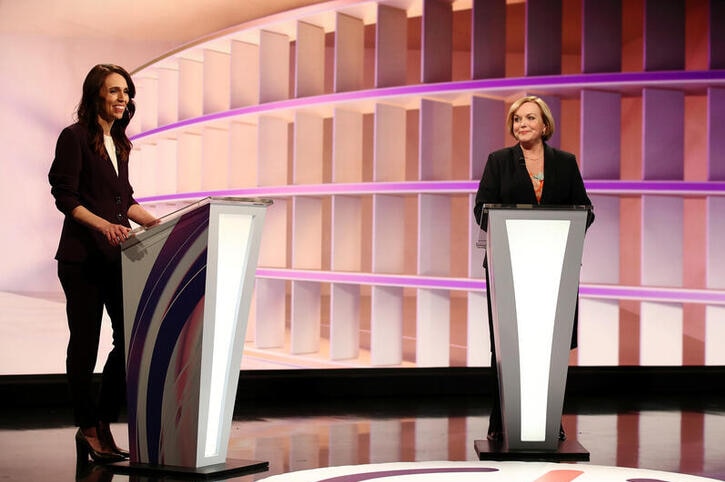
675, 434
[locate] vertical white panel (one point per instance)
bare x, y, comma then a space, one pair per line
487, 115
308, 145
190, 168
390, 128
385, 441
391, 46
310, 60
388, 234
215, 174
243, 152
433, 328
661, 335
272, 144
600, 134
144, 171
598, 332
662, 221
166, 167
270, 313
386, 326
715, 335
436, 140
437, 41
344, 321
191, 89
168, 95
663, 144
347, 146
305, 317
434, 226
274, 53
273, 250
346, 233
660, 440
349, 53
431, 438
146, 116
307, 233
600, 259
244, 74
478, 340
715, 242
217, 81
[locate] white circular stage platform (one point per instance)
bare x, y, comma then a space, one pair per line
481, 472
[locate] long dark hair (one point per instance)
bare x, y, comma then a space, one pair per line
91, 106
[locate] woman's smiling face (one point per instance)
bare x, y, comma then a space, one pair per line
114, 95
528, 123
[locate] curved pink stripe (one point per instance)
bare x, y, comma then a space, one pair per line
559, 476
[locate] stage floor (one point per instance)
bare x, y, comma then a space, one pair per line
684, 436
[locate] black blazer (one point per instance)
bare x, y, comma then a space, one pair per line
80, 177
505, 180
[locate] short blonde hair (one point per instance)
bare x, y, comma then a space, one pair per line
546, 115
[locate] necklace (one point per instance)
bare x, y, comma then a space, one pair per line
535, 167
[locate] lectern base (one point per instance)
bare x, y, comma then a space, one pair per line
567, 451
232, 468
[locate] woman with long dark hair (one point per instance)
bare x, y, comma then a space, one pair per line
90, 184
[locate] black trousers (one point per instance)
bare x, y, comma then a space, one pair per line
90, 287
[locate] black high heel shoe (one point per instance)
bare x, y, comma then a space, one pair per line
106, 437
85, 450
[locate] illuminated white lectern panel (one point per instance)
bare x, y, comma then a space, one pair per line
534, 258
187, 286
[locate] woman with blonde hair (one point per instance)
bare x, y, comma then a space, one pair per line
529, 172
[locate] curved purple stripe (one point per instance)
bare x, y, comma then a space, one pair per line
395, 473
663, 188
646, 480
188, 228
501, 86
188, 295
643, 293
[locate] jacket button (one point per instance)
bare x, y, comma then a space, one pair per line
119, 216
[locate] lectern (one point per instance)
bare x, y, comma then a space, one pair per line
534, 257
187, 287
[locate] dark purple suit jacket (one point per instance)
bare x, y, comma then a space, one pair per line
81, 177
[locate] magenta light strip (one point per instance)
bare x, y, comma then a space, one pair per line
372, 279
655, 294
662, 188
501, 87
